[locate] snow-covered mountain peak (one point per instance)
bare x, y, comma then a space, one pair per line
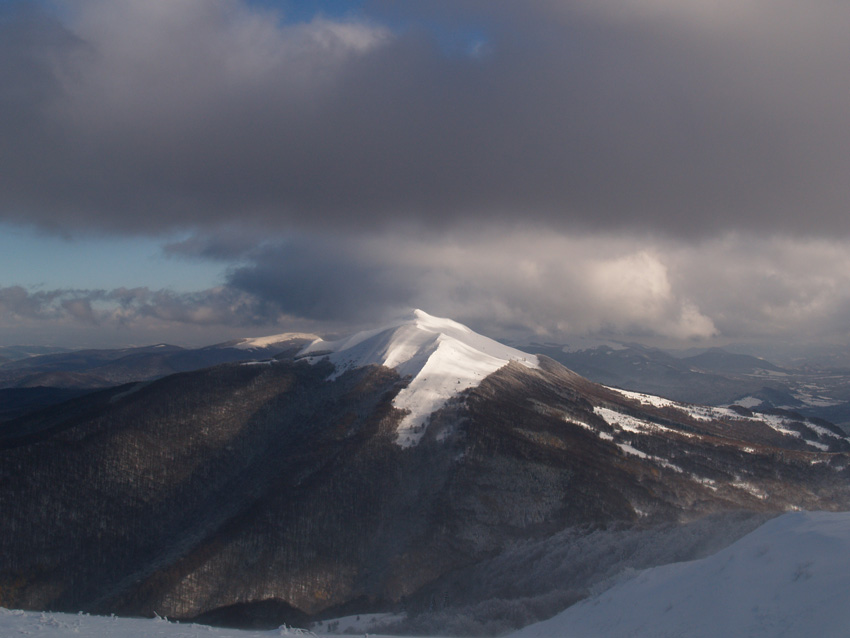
442, 357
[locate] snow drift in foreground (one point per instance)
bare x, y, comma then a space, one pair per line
44, 625
443, 358
790, 577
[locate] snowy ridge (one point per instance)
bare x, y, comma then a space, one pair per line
442, 357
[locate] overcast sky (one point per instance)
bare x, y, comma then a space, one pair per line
650, 170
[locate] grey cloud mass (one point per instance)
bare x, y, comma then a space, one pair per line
687, 119
736, 287
525, 284
642, 169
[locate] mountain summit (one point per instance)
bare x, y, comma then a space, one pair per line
441, 357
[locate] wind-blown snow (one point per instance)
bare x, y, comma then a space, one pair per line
788, 578
442, 357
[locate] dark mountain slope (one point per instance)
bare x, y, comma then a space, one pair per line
15, 402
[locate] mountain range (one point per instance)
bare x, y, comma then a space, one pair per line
33, 378
713, 376
410, 467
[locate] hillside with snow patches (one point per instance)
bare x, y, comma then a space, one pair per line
442, 358
789, 578
807, 431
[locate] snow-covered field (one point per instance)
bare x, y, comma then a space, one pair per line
788, 578
43, 625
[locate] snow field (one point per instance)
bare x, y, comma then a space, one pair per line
52, 625
789, 578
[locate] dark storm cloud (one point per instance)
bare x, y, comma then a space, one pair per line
685, 120
500, 285
328, 280
229, 246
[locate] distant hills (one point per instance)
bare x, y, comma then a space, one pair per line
34, 379
714, 377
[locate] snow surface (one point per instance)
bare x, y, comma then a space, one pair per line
645, 399
442, 357
359, 624
14, 622
50, 625
788, 578
634, 425
749, 402
253, 343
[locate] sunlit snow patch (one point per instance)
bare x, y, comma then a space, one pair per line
442, 357
749, 402
697, 412
645, 399
626, 423
254, 343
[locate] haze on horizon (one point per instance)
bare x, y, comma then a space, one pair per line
644, 170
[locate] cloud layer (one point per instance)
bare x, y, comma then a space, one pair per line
528, 285
641, 169
734, 287
689, 120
